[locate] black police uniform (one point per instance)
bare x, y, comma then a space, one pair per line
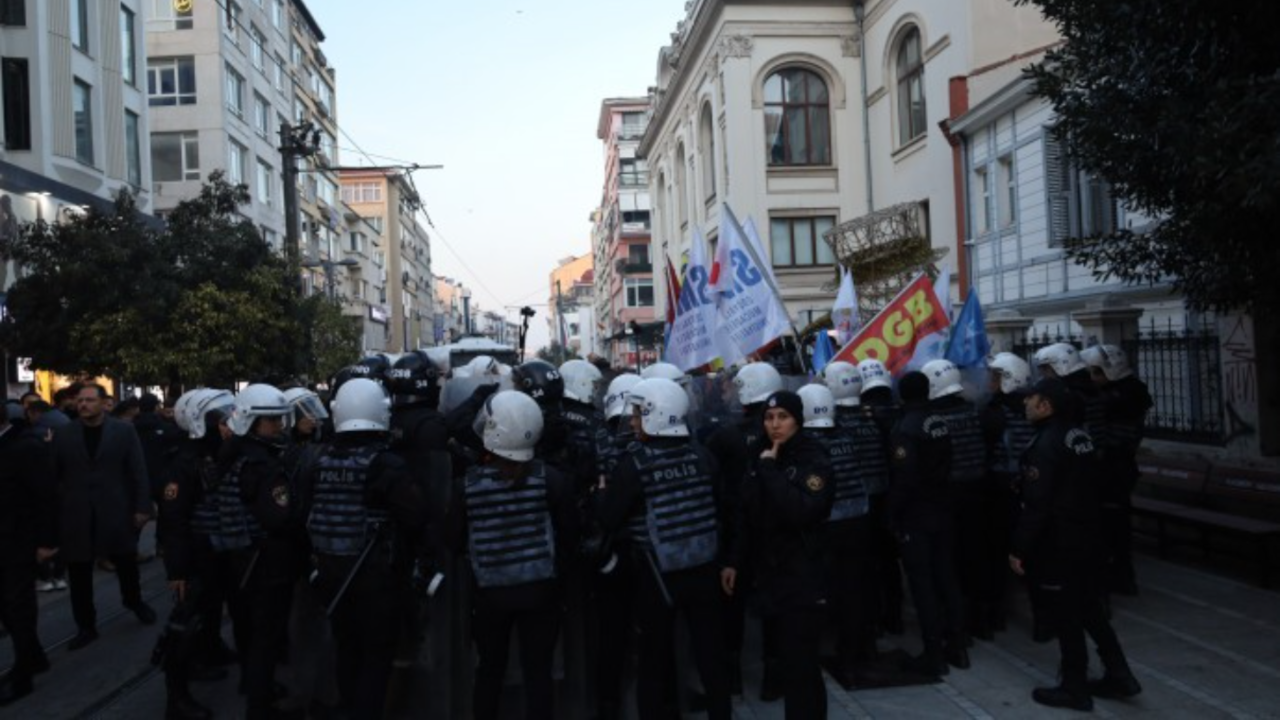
847, 535
366, 520
1007, 416
921, 514
972, 437
1057, 538
880, 404
517, 533
784, 503
1128, 401
266, 566
666, 493
28, 520
190, 520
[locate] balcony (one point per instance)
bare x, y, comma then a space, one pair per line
626, 267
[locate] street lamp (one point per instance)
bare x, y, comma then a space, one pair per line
328, 266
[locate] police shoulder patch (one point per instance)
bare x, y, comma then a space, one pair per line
900, 453
171, 491
815, 483
280, 495
1031, 472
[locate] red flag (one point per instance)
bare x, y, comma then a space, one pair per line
892, 335
673, 292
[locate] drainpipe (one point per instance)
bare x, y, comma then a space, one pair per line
859, 14
958, 91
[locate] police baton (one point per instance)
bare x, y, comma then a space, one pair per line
657, 577
346, 583
248, 572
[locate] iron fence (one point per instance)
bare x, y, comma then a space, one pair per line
1182, 368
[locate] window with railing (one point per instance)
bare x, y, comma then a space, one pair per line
633, 173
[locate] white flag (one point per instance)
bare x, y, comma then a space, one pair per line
844, 314
749, 309
693, 340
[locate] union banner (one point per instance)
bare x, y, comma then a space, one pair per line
892, 335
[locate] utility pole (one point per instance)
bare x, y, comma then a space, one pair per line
560, 326
295, 142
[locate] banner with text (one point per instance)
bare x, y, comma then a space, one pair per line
692, 340
891, 336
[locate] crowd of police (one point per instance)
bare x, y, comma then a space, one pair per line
590, 510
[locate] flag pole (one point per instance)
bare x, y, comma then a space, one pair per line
769, 281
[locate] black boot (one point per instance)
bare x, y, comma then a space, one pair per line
1063, 696
14, 686
181, 706
1117, 682
956, 653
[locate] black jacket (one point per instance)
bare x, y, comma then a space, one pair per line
784, 503
920, 495
28, 497
1060, 494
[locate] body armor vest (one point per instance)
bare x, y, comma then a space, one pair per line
679, 520
509, 533
581, 423
968, 447
1017, 436
341, 522
612, 447
851, 492
237, 527
871, 460
204, 516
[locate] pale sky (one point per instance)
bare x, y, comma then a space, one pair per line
505, 94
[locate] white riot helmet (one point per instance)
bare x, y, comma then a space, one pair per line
204, 402
258, 401
615, 398
180, 409
361, 405
512, 425
662, 370
844, 381
306, 402
1062, 357
819, 406
874, 375
580, 380
664, 407
1014, 372
756, 382
944, 378
1110, 359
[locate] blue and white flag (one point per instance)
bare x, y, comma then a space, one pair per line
750, 312
934, 346
969, 344
693, 340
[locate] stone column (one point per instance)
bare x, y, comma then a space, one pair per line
1108, 321
1005, 329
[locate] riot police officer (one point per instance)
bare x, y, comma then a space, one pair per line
258, 525
736, 449
786, 499
921, 515
198, 575
541, 381
1009, 378
365, 523
666, 493
581, 419
879, 405
1057, 544
847, 534
416, 424
970, 440
517, 520
1127, 403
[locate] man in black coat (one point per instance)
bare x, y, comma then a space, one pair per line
1057, 543
102, 475
28, 534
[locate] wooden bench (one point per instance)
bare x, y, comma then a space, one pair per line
1195, 496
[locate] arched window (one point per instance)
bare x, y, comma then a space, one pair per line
682, 188
797, 118
910, 70
707, 144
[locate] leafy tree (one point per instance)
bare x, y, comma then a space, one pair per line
555, 354
1177, 105
202, 300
